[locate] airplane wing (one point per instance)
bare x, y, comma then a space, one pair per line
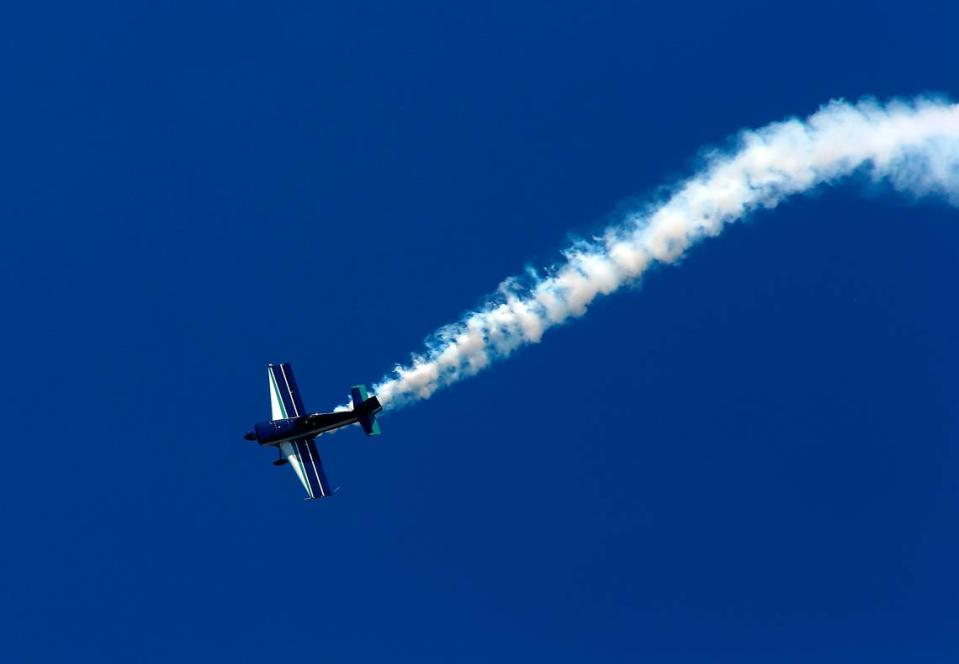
305, 459
285, 399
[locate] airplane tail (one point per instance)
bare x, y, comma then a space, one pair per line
366, 408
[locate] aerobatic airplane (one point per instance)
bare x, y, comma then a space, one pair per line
292, 431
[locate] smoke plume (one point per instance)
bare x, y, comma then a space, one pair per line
912, 146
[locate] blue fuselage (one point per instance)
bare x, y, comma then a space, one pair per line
274, 432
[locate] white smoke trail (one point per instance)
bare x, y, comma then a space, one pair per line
912, 145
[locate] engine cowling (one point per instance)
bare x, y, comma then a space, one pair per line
275, 430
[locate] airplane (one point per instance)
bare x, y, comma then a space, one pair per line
292, 431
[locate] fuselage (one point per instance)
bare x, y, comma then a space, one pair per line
274, 432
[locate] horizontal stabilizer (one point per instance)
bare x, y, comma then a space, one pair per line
366, 408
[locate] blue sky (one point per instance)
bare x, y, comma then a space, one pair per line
750, 458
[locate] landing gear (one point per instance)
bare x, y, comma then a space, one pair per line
280, 462
250, 435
